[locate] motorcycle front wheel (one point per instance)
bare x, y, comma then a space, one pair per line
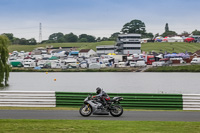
85, 110
116, 110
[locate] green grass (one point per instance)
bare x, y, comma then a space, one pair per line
94, 126
157, 46
177, 47
80, 45
188, 68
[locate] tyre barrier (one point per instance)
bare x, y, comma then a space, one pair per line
75, 99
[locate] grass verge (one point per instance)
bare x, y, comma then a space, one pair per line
187, 68
87, 126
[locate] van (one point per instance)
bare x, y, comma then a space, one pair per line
195, 61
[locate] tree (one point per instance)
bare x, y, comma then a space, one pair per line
156, 35
9, 36
4, 54
135, 26
196, 32
71, 37
23, 41
83, 40
88, 37
114, 36
169, 33
166, 27
98, 39
32, 41
185, 33
91, 38
148, 35
104, 39
56, 36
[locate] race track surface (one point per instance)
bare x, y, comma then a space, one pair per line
127, 116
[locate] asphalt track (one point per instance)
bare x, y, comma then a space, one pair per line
127, 116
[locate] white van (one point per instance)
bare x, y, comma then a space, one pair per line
195, 61
140, 63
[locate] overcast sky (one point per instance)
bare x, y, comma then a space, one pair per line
100, 18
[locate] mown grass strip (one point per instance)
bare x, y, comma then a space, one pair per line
187, 68
87, 126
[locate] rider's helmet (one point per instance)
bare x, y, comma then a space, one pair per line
98, 90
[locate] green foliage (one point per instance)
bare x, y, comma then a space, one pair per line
135, 26
71, 37
166, 27
114, 36
83, 40
190, 68
169, 33
86, 38
147, 35
196, 32
9, 36
4, 54
22, 41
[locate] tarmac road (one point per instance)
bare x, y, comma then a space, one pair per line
127, 116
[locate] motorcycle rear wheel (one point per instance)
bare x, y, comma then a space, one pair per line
85, 110
116, 110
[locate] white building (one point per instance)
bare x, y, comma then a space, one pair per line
105, 49
86, 53
128, 44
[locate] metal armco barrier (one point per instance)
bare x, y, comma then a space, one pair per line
75, 99
28, 98
132, 101
191, 101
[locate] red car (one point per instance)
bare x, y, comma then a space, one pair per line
189, 39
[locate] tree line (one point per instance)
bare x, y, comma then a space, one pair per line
134, 26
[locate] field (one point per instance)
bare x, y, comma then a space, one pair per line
90, 126
80, 45
156, 47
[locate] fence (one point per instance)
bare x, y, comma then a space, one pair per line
75, 99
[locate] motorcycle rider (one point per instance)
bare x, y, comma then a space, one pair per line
102, 95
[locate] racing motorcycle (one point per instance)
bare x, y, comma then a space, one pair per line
94, 106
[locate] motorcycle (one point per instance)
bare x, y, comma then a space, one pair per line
94, 106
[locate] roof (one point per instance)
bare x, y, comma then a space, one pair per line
84, 50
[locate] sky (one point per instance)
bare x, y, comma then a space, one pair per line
99, 18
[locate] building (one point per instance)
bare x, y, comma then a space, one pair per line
128, 44
105, 49
86, 53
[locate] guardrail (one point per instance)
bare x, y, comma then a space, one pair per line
191, 101
75, 99
131, 100
28, 98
